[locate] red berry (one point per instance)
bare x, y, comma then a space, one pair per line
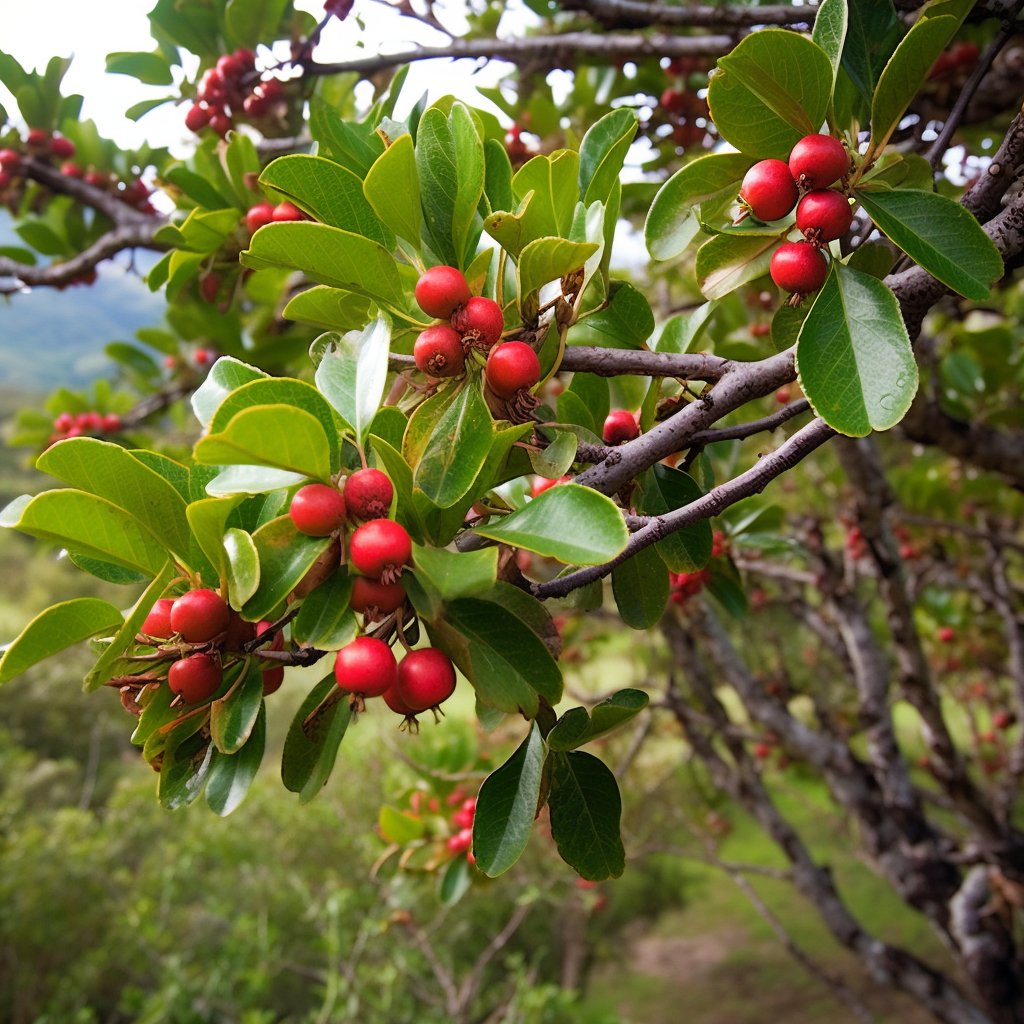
461, 841
230, 66
195, 678
946, 634
10, 158
221, 124
70, 169
370, 594
112, 423
256, 106
768, 190
158, 621
64, 422
380, 548
38, 138
480, 322
620, 425
198, 117
1002, 720
259, 215
394, 701
441, 290
762, 750
277, 642
61, 148
799, 267
286, 212
542, 484
438, 352
238, 633
673, 101
200, 615
823, 216
366, 667
209, 285
272, 680
317, 510
510, 367
368, 494
246, 58
818, 161
426, 678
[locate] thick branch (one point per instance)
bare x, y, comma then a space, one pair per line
635, 14
610, 362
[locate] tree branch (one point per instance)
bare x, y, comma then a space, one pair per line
635, 14
611, 362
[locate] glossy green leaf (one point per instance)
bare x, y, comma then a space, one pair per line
353, 371
325, 620
626, 321
940, 235
235, 480
549, 526
330, 308
451, 574
672, 222
233, 716
455, 882
727, 262
243, 565
555, 460
549, 259
853, 356
577, 726
311, 748
829, 33
873, 32
225, 375
603, 151
254, 21
110, 471
770, 91
392, 189
183, 772
208, 519
331, 256
87, 524
662, 490
585, 809
640, 587
398, 827
507, 805
149, 68
354, 146
332, 194
232, 774
457, 449
285, 557
59, 627
279, 436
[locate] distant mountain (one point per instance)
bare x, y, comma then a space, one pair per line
50, 338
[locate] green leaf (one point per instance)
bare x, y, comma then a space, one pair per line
627, 321
640, 586
232, 775
585, 808
577, 727
392, 188
331, 193
854, 358
457, 449
554, 181
225, 376
451, 574
233, 716
59, 627
549, 259
243, 564
325, 620
329, 308
310, 750
253, 21
208, 520
353, 371
727, 262
507, 805
549, 526
270, 435
398, 827
672, 222
455, 882
354, 146
111, 472
150, 68
829, 33
285, 557
602, 153
872, 34
329, 256
89, 525
450, 167
555, 460
184, 771
770, 91
663, 490
940, 235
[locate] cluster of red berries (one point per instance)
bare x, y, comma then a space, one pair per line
261, 214
856, 546
37, 143
963, 56
76, 424
684, 585
202, 618
230, 89
461, 840
770, 190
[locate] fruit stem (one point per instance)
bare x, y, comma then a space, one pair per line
399, 626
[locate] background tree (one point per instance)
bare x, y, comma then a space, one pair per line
866, 629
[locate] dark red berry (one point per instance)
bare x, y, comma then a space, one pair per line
393, 699
158, 621
259, 215
366, 667
946, 634
230, 66
673, 101
426, 678
379, 549
372, 595
510, 367
620, 425
818, 161
480, 322
287, 211
209, 285
37, 138
70, 169
768, 190
441, 290
238, 633
61, 148
368, 494
256, 106
198, 117
200, 615
221, 124
824, 215
10, 158
317, 510
438, 352
195, 678
798, 267
272, 680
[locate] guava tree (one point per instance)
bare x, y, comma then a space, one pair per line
432, 418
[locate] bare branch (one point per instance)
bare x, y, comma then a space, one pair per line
611, 362
635, 14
